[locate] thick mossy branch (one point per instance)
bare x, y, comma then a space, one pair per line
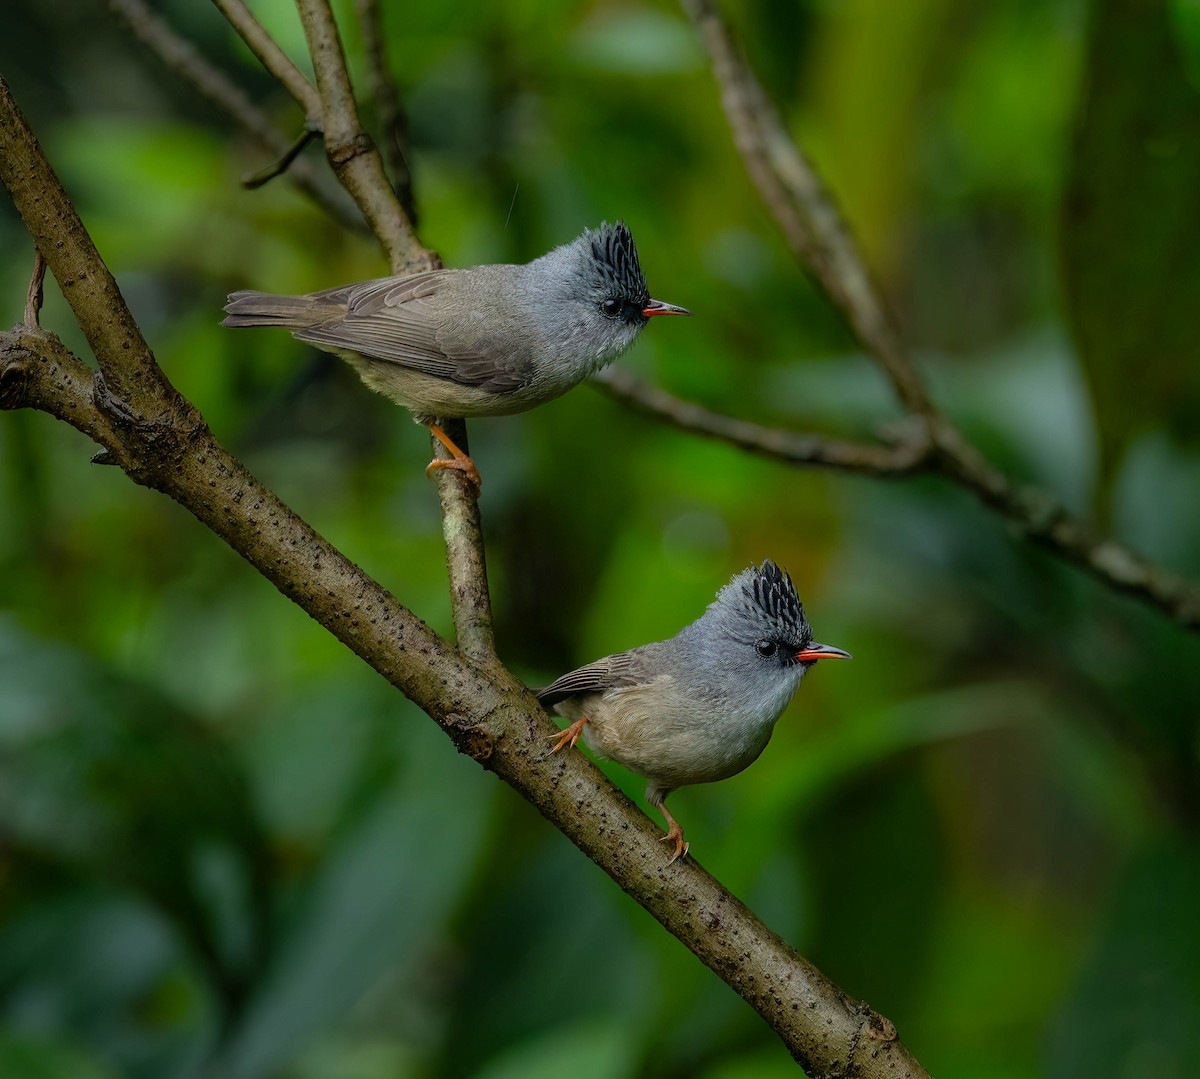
162, 440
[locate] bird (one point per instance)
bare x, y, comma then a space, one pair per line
478, 340
701, 706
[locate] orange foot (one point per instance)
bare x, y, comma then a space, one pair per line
457, 460
569, 736
676, 833
462, 464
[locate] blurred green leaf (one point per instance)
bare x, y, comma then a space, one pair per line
596, 1049
376, 906
30, 1058
636, 42
1136, 1008
108, 778
1130, 218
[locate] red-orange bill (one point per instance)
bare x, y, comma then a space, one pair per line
821, 651
657, 307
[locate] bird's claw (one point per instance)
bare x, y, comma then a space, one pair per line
460, 464
681, 848
569, 736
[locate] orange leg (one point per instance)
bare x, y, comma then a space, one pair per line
570, 735
674, 832
457, 460
657, 797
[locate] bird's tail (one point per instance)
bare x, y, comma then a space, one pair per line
249, 308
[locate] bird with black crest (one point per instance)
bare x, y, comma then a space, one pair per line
701, 706
477, 341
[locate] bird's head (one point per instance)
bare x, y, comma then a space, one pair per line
592, 295
763, 633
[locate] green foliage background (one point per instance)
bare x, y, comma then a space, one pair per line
228, 848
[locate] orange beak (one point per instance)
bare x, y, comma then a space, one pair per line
657, 307
821, 651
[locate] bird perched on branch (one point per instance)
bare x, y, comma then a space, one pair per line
479, 341
702, 705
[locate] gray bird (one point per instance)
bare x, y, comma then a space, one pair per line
479, 341
701, 706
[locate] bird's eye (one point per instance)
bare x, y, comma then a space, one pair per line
611, 307
766, 648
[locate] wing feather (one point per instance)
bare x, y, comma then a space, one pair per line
612, 672
406, 321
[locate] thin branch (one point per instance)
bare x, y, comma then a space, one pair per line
466, 564
350, 151
803, 208
180, 56
272, 57
481, 708
389, 107
33, 294
906, 456
278, 168
135, 381
1042, 519
358, 166
807, 216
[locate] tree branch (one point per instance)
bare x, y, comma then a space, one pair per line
911, 451
389, 108
349, 148
358, 166
466, 562
180, 56
272, 57
33, 294
484, 711
812, 226
803, 208
286, 160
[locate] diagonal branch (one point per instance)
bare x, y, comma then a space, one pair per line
806, 214
358, 166
486, 713
809, 220
272, 57
911, 452
389, 108
349, 148
180, 56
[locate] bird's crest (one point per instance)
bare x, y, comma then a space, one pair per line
767, 595
616, 256
775, 594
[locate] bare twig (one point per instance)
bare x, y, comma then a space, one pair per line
33, 295
272, 57
466, 564
358, 166
906, 455
135, 382
389, 107
1042, 519
809, 220
480, 707
350, 150
278, 168
803, 208
181, 57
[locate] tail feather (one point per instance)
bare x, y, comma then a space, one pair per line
249, 308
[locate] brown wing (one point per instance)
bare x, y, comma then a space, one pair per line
407, 321
611, 672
